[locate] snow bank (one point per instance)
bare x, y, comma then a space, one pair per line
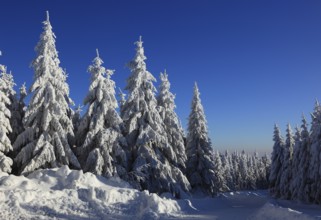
273, 212
68, 194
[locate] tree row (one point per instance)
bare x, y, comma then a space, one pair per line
296, 162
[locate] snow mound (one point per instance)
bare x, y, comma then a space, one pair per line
273, 212
69, 194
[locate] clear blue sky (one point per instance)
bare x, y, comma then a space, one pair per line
256, 62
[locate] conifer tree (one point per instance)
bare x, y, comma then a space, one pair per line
47, 122
315, 149
220, 182
303, 171
199, 167
236, 170
243, 165
266, 160
8, 89
228, 170
276, 162
173, 128
144, 128
295, 181
286, 171
5, 127
101, 150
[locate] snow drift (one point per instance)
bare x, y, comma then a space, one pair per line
69, 194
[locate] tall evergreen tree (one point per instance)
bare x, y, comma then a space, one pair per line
276, 162
101, 150
45, 142
236, 171
220, 181
304, 152
144, 128
287, 165
296, 181
228, 170
8, 89
243, 169
173, 128
266, 160
315, 149
199, 167
5, 127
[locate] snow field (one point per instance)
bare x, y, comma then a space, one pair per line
70, 194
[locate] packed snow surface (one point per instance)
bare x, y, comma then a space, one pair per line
68, 194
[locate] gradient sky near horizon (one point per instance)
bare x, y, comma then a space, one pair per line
256, 62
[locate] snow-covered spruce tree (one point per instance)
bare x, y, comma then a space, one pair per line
199, 166
252, 166
47, 122
296, 160
259, 171
236, 170
243, 165
5, 127
220, 182
8, 84
303, 171
314, 176
276, 162
101, 150
286, 168
266, 161
151, 168
228, 170
173, 128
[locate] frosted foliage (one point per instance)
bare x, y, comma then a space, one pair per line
15, 118
277, 160
172, 124
5, 127
5, 163
228, 170
296, 181
199, 166
102, 146
220, 181
48, 113
152, 155
243, 170
303, 167
287, 164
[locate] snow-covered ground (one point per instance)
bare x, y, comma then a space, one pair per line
68, 194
